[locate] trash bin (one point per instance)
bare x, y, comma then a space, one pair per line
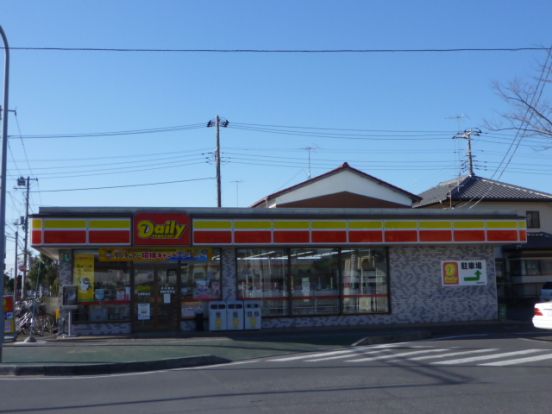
217, 316
252, 314
234, 315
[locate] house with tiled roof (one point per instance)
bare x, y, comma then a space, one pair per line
343, 187
526, 267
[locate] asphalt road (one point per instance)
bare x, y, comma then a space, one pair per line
508, 373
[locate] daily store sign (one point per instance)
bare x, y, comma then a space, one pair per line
464, 272
159, 229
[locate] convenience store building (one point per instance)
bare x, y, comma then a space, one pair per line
130, 270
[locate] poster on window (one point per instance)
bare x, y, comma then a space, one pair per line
9, 320
464, 272
83, 276
144, 313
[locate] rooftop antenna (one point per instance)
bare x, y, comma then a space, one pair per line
237, 182
309, 149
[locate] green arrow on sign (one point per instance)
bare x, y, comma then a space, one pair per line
474, 278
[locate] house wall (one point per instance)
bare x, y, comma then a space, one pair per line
345, 181
521, 208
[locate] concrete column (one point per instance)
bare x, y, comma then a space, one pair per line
229, 274
65, 279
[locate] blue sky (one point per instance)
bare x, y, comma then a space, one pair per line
362, 96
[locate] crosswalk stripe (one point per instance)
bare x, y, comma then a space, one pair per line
345, 356
517, 361
484, 357
340, 352
450, 354
298, 357
402, 354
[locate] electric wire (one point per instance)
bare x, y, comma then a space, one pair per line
115, 133
126, 185
61, 175
22, 142
277, 51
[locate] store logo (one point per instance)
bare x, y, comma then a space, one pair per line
162, 229
170, 229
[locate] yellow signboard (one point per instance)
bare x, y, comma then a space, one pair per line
450, 273
83, 276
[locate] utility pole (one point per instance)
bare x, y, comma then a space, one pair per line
467, 135
26, 183
218, 122
15, 265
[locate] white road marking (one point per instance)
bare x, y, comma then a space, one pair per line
346, 355
402, 354
303, 356
484, 357
460, 337
517, 361
450, 354
330, 353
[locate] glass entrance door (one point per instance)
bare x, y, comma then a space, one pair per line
155, 299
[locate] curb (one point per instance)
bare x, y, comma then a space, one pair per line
110, 368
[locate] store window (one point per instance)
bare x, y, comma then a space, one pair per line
103, 289
200, 282
530, 266
314, 281
365, 282
533, 219
302, 282
262, 274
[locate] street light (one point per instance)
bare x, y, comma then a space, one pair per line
3, 182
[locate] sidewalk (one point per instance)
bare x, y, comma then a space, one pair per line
104, 355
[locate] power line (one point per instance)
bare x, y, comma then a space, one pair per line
93, 173
278, 51
126, 186
129, 164
22, 143
338, 129
115, 133
123, 156
360, 137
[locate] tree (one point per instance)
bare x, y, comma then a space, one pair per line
45, 270
530, 112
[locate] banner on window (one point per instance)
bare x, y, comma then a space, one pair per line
83, 276
148, 255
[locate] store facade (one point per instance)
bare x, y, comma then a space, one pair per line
158, 269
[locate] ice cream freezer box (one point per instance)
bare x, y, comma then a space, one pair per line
234, 315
